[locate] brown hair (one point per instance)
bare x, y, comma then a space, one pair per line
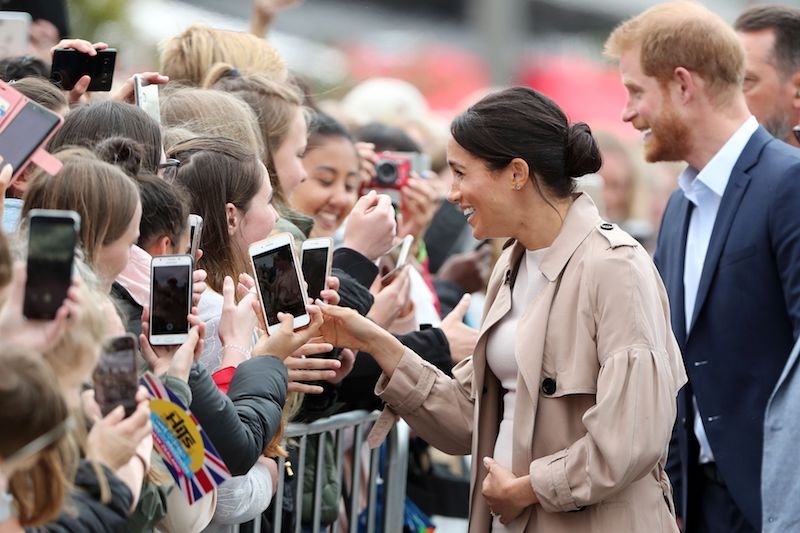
217, 171
683, 34
275, 105
43, 93
31, 405
784, 21
521, 122
91, 124
212, 114
102, 194
189, 55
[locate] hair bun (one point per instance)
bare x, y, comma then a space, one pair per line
583, 154
123, 152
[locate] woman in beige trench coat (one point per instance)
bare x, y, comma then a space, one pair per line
568, 402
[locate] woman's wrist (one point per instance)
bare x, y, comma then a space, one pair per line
523, 493
385, 349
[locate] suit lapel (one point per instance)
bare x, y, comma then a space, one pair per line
677, 262
729, 205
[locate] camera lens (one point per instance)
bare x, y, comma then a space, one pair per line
386, 172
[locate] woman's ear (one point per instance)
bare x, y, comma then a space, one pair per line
232, 215
519, 173
161, 246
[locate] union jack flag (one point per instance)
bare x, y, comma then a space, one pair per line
213, 471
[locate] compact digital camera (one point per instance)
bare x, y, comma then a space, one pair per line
392, 171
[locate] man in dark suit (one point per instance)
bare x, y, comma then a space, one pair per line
728, 250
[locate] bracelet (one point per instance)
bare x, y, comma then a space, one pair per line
145, 468
244, 351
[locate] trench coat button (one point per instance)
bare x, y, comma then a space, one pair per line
606, 226
548, 386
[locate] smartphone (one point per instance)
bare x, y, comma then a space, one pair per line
395, 259
170, 299
195, 233
316, 257
115, 377
281, 287
146, 96
52, 237
70, 65
14, 33
25, 131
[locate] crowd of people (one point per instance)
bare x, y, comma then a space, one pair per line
623, 377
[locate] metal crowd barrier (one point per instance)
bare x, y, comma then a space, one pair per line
349, 433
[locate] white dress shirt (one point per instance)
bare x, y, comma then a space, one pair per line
704, 189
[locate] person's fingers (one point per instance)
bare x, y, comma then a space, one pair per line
458, 312
313, 348
228, 301
295, 386
311, 363
247, 280
311, 375
367, 202
332, 283
115, 416
142, 395
287, 323
146, 350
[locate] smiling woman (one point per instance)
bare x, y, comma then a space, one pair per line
332, 165
571, 389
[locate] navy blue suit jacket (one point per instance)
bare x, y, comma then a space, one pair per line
746, 316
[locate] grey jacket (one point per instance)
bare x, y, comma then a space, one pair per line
780, 489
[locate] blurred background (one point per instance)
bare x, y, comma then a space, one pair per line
449, 49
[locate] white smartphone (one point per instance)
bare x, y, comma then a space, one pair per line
170, 299
146, 96
316, 258
195, 233
395, 259
281, 287
14, 33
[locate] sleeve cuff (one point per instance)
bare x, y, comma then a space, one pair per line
409, 386
549, 482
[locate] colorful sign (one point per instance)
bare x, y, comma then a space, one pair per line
188, 453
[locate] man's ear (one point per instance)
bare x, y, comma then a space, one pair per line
796, 86
686, 84
233, 218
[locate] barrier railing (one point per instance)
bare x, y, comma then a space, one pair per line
348, 433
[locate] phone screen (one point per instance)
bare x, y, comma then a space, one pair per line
51, 249
314, 269
278, 283
25, 133
147, 100
171, 299
69, 65
115, 378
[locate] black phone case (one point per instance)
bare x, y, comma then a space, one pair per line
69, 65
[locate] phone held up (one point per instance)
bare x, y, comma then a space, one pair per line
25, 126
70, 65
52, 236
170, 299
316, 257
195, 233
394, 260
281, 287
115, 377
146, 96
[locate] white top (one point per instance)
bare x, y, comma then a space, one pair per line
500, 352
704, 189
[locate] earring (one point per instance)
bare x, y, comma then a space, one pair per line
517, 186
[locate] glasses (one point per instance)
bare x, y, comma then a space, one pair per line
38, 444
169, 168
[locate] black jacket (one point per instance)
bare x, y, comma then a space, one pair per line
85, 512
243, 422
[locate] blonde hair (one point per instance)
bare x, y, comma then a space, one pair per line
101, 193
189, 55
683, 34
210, 113
275, 105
